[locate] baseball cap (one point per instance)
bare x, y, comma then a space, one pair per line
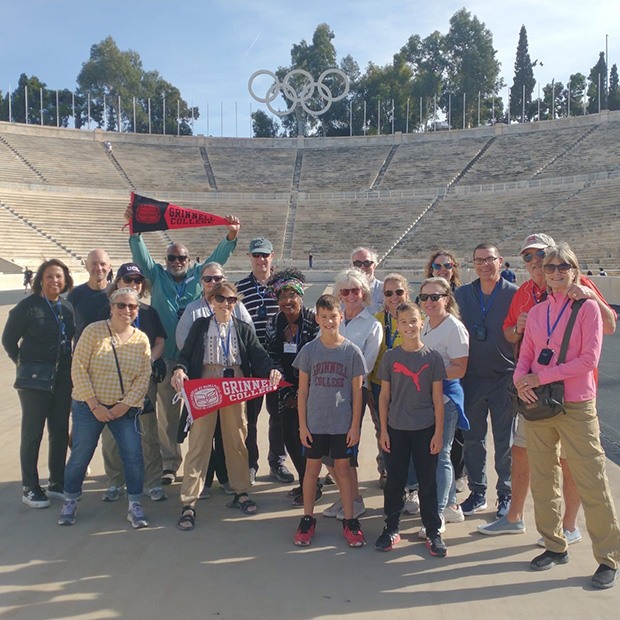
537, 241
261, 245
129, 269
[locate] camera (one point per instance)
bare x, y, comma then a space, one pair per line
546, 355
229, 373
480, 332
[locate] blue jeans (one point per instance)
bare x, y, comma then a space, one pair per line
86, 432
446, 489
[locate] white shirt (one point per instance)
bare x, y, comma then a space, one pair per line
366, 332
376, 292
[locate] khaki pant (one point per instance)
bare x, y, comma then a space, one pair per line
233, 423
579, 433
150, 450
168, 416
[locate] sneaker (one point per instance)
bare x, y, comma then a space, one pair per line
56, 490
282, 474
253, 473
442, 529
503, 526
382, 479
168, 476
604, 577
305, 531
453, 514
157, 494
328, 479
332, 511
461, 484
136, 517
227, 489
294, 492
67, 514
503, 506
205, 493
571, 537
412, 502
298, 500
353, 533
35, 497
358, 509
474, 503
437, 546
387, 540
548, 560
112, 494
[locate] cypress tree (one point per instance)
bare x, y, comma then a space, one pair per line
524, 76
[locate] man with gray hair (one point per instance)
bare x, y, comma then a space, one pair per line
366, 260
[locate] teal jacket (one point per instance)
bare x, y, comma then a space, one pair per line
169, 297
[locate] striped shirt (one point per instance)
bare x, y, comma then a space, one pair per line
260, 306
94, 371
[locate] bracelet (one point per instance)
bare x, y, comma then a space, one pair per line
92, 409
514, 329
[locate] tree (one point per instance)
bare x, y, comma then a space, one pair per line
554, 98
599, 70
577, 82
614, 89
30, 91
524, 77
264, 126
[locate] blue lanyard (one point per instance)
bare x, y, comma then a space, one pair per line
58, 317
389, 339
550, 329
225, 347
541, 298
485, 309
207, 305
180, 289
297, 334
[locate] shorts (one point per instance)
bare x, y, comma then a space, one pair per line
519, 436
331, 446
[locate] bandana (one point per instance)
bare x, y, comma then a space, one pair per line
293, 283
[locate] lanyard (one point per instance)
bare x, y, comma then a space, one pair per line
541, 298
297, 333
389, 339
136, 323
550, 329
58, 317
180, 289
485, 309
206, 304
225, 347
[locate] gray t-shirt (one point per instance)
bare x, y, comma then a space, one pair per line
329, 407
411, 375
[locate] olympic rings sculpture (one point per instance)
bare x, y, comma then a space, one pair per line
305, 92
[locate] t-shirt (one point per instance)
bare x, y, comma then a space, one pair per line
509, 274
329, 407
260, 306
87, 305
411, 375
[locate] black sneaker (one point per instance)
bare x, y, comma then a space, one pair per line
604, 577
437, 546
548, 559
389, 537
35, 497
56, 490
282, 474
168, 476
474, 503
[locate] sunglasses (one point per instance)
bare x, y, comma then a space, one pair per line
529, 257
129, 279
432, 296
399, 292
259, 255
173, 257
347, 291
438, 266
363, 263
562, 268
489, 260
229, 300
121, 305
212, 278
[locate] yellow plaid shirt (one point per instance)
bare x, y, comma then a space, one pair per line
94, 371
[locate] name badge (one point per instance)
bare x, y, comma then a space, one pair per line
290, 347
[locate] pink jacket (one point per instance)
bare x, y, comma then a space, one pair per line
584, 349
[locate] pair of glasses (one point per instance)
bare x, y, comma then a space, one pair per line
129, 279
212, 278
529, 257
489, 260
347, 291
121, 305
562, 268
438, 266
363, 263
432, 296
259, 255
229, 300
399, 292
172, 257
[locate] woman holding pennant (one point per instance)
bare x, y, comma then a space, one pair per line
220, 346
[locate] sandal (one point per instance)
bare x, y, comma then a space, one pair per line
187, 520
247, 506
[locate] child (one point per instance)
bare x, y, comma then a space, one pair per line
329, 400
411, 414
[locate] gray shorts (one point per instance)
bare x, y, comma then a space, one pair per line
519, 437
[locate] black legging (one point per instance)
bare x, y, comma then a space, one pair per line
217, 463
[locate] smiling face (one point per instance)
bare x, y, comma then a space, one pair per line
214, 275
98, 266
53, 282
223, 302
559, 280
329, 320
434, 309
391, 296
261, 264
443, 272
365, 261
289, 303
177, 260
124, 315
488, 263
533, 265
409, 324
352, 295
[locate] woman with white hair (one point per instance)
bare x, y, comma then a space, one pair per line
361, 328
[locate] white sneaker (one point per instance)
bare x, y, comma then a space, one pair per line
358, 509
332, 511
412, 503
157, 494
442, 529
453, 515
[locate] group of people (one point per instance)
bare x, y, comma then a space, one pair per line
431, 372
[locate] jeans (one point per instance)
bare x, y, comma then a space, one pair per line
446, 489
86, 432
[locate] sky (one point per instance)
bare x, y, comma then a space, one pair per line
210, 48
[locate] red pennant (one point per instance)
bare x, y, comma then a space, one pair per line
203, 396
149, 214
